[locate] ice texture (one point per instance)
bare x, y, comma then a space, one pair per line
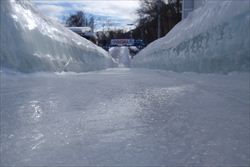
122, 116
214, 38
32, 42
125, 117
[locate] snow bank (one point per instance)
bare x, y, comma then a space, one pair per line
31, 42
214, 38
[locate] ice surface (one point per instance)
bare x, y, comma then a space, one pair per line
125, 117
32, 42
121, 55
214, 38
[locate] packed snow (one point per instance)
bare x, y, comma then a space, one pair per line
32, 42
125, 117
214, 38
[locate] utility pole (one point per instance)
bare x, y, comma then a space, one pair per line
103, 25
130, 30
159, 19
108, 24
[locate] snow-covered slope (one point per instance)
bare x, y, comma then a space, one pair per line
31, 42
214, 38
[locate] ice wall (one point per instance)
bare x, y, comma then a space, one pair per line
32, 42
214, 38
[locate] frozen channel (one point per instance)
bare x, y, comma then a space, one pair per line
124, 117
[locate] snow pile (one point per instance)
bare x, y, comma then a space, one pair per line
31, 42
214, 38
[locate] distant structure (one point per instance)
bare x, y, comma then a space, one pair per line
85, 32
189, 5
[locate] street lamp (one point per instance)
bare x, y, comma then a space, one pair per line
159, 19
130, 29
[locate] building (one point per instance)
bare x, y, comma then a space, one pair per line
189, 5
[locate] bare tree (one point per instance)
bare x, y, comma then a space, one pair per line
77, 20
147, 10
153, 12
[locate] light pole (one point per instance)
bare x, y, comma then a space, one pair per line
130, 29
159, 19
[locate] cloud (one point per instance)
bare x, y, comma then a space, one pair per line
120, 12
52, 11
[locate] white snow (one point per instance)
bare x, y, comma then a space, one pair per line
214, 38
32, 42
125, 117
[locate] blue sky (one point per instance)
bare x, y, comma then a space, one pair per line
118, 13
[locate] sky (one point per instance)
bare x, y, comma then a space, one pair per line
118, 13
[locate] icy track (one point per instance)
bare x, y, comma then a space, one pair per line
121, 55
125, 117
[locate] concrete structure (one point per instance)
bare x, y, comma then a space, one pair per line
189, 5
